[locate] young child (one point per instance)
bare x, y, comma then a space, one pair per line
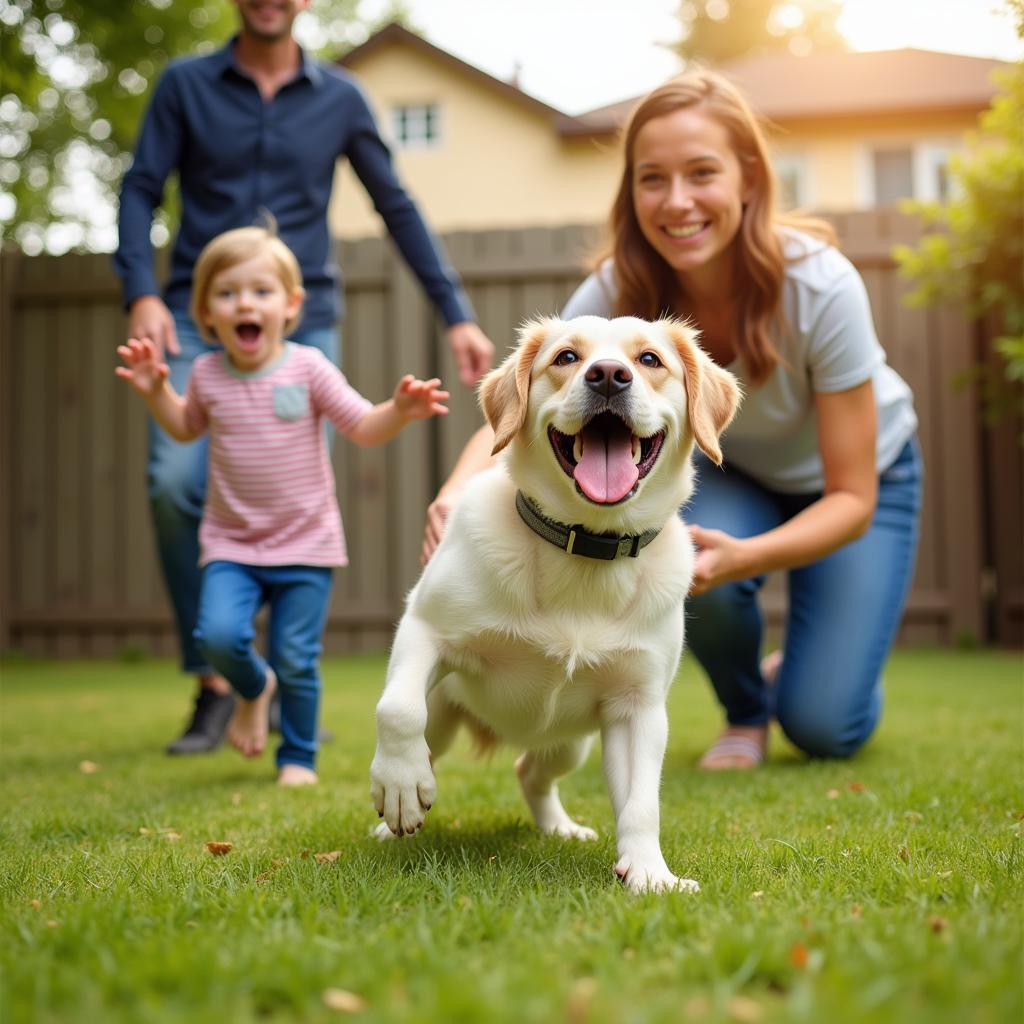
271, 529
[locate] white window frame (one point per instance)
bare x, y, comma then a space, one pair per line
417, 114
927, 156
796, 162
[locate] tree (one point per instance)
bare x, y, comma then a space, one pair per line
75, 78
715, 31
975, 254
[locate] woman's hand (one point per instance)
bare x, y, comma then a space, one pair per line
476, 456
721, 558
437, 519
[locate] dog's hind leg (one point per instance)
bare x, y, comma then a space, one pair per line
538, 771
443, 720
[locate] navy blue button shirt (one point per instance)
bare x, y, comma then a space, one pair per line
237, 155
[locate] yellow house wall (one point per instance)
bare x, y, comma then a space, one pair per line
499, 163
837, 152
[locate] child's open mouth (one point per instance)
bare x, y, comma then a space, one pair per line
248, 335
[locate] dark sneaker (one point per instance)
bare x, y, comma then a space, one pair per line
209, 723
274, 720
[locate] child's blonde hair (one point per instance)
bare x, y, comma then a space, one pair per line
234, 247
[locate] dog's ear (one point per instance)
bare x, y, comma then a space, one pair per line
712, 394
505, 391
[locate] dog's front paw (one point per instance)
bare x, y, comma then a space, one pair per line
651, 875
403, 787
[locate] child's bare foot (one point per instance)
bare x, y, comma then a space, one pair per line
247, 730
296, 775
739, 748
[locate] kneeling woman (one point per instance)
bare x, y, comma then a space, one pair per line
822, 474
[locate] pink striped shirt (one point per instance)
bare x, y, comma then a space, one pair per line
270, 490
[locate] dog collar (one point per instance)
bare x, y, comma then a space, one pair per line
574, 540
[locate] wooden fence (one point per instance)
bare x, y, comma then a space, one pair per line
77, 565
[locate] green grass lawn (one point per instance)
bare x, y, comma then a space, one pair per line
886, 888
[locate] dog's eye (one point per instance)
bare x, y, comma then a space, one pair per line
565, 357
649, 359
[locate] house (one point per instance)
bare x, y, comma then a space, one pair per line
851, 131
848, 131
475, 151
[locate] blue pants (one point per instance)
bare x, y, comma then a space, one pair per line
177, 489
844, 611
297, 595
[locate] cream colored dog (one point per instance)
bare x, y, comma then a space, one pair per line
553, 607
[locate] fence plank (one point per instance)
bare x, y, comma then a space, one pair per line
77, 552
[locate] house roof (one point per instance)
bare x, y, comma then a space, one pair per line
394, 33
781, 87
848, 84
874, 82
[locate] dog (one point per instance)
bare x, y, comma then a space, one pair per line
552, 609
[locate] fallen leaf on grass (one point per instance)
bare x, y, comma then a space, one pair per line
35, 904
327, 858
697, 1007
798, 955
342, 1001
219, 849
856, 787
904, 854
744, 1010
937, 924
88, 767
274, 865
577, 1010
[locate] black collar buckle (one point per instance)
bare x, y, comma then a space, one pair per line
575, 540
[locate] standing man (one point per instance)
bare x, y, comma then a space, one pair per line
257, 126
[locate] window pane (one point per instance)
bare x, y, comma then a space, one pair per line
416, 124
894, 175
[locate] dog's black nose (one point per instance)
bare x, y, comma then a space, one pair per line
608, 377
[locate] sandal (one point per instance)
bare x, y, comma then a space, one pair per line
734, 752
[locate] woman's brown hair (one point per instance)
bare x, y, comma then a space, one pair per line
646, 286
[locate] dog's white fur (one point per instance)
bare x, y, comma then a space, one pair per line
532, 646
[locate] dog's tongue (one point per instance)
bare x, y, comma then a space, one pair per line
606, 472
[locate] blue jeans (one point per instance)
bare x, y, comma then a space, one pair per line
297, 595
844, 611
177, 489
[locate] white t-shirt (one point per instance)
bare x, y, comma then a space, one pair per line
832, 347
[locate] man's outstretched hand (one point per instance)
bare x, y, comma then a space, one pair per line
472, 349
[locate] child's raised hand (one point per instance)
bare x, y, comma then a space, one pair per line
143, 369
419, 399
